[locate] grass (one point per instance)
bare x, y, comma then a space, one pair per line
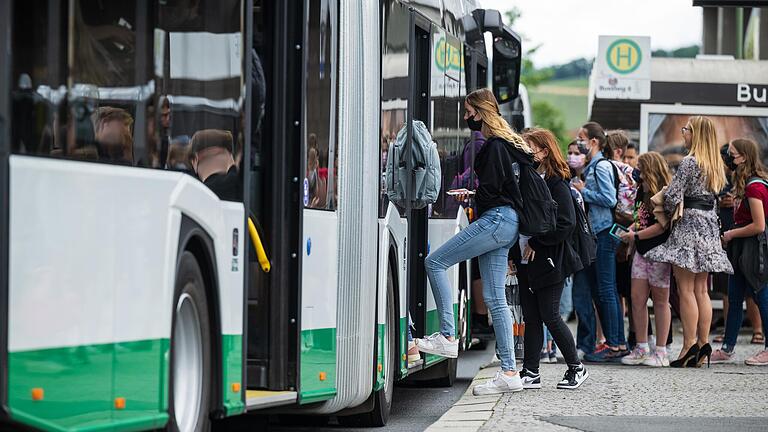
569, 96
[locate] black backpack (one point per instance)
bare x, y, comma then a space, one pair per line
583, 238
538, 214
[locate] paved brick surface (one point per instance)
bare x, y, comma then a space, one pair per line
670, 396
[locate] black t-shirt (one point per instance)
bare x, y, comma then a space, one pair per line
227, 187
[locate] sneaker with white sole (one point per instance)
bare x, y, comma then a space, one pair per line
438, 345
721, 356
574, 377
501, 383
657, 359
759, 359
530, 379
637, 357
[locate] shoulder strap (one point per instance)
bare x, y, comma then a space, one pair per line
754, 180
616, 180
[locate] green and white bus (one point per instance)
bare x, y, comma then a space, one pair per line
132, 297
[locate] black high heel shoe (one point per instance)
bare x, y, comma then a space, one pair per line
690, 356
704, 352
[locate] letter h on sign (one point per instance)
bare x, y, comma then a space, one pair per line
627, 55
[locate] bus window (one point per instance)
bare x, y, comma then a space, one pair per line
198, 123
320, 139
39, 33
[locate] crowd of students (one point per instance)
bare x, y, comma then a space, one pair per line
627, 229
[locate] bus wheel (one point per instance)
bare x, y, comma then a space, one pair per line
382, 398
190, 392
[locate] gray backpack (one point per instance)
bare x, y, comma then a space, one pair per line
426, 168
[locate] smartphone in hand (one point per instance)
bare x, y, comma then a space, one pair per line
462, 191
617, 230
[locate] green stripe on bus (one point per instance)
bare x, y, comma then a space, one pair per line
79, 386
433, 325
379, 382
232, 353
318, 365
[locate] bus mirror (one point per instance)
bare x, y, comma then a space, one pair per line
473, 32
492, 22
506, 65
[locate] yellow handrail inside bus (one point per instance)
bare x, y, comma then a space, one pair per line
260, 254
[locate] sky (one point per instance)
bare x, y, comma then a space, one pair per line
568, 29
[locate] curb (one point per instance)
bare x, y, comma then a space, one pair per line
470, 412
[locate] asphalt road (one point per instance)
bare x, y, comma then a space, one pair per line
414, 408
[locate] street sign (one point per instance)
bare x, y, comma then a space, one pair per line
623, 67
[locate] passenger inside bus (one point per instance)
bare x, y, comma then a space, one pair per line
212, 160
112, 127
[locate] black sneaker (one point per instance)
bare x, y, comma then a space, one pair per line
530, 379
574, 377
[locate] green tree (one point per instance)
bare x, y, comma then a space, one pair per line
529, 75
547, 116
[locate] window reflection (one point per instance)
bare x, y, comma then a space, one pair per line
320, 141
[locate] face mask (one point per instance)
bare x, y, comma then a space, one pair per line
582, 145
636, 175
728, 159
576, 161
474, 125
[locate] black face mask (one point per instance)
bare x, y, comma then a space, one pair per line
636, 175
474, 125
728, 159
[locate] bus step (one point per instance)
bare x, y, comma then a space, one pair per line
416, 365
258, 399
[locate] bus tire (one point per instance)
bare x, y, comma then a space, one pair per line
465, 339
382, 399
190, 369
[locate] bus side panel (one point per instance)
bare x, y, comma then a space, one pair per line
440, 231
319, 284
397, 227
381, 305
86, 270
223, 221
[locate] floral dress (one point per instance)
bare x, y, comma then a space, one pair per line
694, 242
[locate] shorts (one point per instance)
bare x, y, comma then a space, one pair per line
656, 273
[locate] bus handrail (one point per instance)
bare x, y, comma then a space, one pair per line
260, 253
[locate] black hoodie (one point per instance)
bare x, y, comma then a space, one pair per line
496, 175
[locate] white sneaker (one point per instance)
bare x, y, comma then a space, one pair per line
657, 360
501, 383
437, 344
573, 378
636, 357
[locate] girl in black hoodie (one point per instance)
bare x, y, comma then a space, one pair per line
543, 263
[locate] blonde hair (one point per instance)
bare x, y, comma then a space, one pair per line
705, 149
655, 173
494, 124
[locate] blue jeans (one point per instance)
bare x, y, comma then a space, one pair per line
585, 311
737, 288
604, 291
488, 238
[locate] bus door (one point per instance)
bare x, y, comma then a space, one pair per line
418, 102
274, 162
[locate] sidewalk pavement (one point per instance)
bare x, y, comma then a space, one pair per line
724, 397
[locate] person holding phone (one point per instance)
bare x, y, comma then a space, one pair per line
543, 263
599, 192
649, 277
489, 237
